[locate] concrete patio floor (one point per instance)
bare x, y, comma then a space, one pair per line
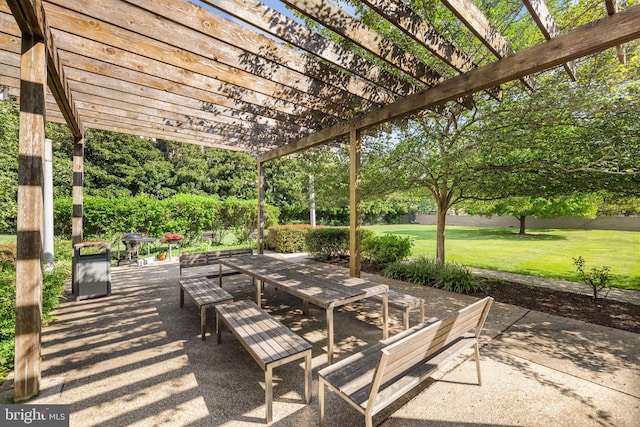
136, 358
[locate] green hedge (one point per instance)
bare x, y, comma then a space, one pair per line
380, 251
290, 238
189, 215
427, 272
331, 242
53, 287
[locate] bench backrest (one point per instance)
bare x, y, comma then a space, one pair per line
420, 345
207, 258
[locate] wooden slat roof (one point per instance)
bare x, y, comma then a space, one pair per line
238, 74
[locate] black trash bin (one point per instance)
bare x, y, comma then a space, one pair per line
91, 273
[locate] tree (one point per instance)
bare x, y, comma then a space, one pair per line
437, 153
581, 206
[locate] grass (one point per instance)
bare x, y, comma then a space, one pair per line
7, 238
542, 252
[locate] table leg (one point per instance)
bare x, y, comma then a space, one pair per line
258, 292
385, 315
330, 334
203, 320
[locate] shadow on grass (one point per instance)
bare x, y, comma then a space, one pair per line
481, 234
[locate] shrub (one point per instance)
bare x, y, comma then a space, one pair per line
427, 272
382, 250
107, 218
288, 238
7, 257
53, 286
597, 279
332, 242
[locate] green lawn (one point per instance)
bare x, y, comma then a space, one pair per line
7, 238
543, 252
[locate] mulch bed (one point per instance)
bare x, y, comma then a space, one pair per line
608, 312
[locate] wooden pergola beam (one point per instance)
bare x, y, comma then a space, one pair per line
30, 17
544, 20
407, 20
612, 7
331, 16
273, 22
151, 36
582, 41
479, 25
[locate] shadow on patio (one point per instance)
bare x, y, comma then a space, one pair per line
136, 358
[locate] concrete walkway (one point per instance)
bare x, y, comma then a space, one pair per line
136, 358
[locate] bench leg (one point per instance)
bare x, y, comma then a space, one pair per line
218, 329
422, 312
478, 363
385, 315
181, 297
330, 335
203, 320
307, 377
321, 401
405, 318
305, 307
268, 393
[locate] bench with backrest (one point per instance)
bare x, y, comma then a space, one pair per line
268, 341
205, 293
381, 374
207, 261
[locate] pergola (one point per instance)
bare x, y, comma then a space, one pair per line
239, 75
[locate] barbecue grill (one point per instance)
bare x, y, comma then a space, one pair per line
132, 243
173, 238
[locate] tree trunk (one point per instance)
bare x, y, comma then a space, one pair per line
522, 219
440, 227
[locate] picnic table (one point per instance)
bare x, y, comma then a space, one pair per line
321, 291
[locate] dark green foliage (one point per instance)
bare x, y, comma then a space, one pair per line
328, 243
382, 250
9, 126
288, 238
108, 218
53, 286
331, 242
427, 272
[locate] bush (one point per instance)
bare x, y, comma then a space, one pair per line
382, 250
332, 242
7, 257
427, 272
107, 218
288, 238
53, 287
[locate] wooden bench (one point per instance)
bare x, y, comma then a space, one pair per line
403, 302
378, 376
268, 341
205, 293
209, 259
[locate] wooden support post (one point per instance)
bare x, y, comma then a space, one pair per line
77, 191
354, 203
33, 81
260, 207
